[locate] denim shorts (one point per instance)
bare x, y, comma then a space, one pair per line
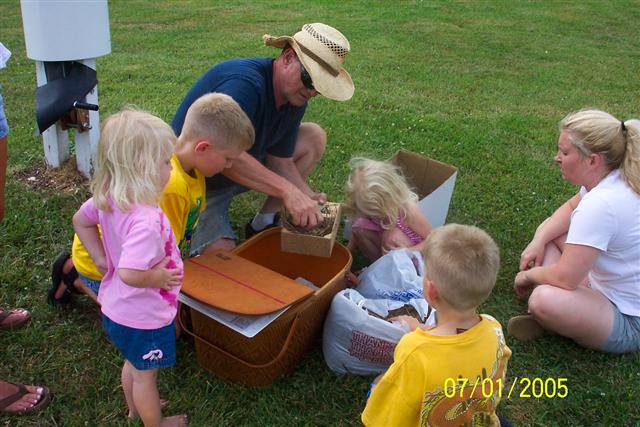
144, 348
4, 125
214, 223
625, 336
93, 284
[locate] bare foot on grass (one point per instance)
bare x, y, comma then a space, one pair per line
175, 421
134, 415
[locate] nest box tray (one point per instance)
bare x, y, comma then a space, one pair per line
316, 242
231, 283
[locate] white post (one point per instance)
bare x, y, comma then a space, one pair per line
64, 30
87, 142
55, 140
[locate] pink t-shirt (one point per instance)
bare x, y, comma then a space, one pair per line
138, 239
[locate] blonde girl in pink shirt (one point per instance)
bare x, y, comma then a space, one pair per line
382, 209
137, 254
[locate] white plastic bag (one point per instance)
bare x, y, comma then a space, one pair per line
4, 56
398, 276
357, 342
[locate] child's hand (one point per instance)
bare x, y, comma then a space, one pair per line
392, 239
412, 322
352, 279
102, 265
166, 278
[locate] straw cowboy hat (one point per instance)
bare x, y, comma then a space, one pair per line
322, 50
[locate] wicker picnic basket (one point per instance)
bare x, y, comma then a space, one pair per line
277, 349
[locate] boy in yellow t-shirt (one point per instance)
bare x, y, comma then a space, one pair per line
216, 131
450, 374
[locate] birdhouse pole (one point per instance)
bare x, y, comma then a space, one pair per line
59, 33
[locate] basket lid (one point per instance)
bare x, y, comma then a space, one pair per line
232, 283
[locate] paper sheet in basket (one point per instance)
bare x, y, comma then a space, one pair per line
229, 282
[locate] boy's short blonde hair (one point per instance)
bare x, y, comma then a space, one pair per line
132, 145
218, 119
377, 190
463, 262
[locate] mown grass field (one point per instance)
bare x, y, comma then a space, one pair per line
479, 85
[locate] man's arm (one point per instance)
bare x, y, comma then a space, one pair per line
286, 167
249, 172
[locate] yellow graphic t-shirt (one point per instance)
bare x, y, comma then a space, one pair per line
440, 380
182, 201
82, 261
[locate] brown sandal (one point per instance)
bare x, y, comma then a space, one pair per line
525, 327
20, 318
42, 403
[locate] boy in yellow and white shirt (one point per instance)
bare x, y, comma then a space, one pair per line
450, 374
215, 132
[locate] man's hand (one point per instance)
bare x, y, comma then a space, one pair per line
304, 210
321, 198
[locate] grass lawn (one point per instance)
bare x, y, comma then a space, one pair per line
479, 85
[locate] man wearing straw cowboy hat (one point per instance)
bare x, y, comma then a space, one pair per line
274, 94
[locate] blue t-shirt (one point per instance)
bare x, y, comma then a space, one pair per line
250, 82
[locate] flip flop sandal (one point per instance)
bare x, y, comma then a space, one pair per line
21, 318
44, 400
58, 276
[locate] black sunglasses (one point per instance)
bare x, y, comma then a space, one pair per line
305, 77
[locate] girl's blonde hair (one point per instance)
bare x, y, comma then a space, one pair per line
132, 145
595, 131
377, 190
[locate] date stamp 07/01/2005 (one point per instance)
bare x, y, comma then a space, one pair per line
522, 387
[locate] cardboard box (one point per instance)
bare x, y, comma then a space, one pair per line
432, 180
305, 244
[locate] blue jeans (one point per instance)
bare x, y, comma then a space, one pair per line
214, 222
92, 284
4, 125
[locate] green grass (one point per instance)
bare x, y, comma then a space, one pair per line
478, 85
